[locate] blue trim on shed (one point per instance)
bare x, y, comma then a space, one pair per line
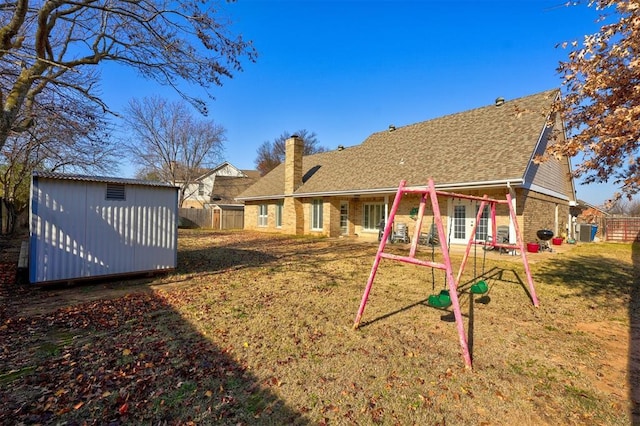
32, 236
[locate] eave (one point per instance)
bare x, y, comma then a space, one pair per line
469, 186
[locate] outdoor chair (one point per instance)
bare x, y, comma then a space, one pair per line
502, 232
431, 237
400, 233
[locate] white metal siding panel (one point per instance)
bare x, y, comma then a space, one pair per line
156, 229
58, 232
108, 221
77, 233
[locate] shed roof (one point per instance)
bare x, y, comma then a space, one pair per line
104, 179
483, 145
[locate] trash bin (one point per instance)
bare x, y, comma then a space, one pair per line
594, 231
584, 232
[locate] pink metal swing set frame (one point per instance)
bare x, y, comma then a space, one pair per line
430, 193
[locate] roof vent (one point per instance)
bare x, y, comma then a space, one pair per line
340, 147
391, 128
499, 102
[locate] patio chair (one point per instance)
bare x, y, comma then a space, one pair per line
429, 238
400, 233
502, 232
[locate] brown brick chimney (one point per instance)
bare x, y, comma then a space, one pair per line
293, 217
293, 164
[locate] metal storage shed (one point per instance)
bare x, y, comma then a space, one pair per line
87, 226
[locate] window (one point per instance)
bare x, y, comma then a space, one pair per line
115, 191
316, 214
373, 214
262, 215
279, 210
459, 222
200, 188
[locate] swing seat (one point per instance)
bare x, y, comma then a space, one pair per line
442, 300
480, 287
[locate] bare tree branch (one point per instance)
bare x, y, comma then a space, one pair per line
270, 154
171, 42
169, 143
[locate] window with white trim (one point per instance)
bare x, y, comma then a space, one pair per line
200, 188
372, 215
482, 230
263, 214
460, 222
316, 214
279, 210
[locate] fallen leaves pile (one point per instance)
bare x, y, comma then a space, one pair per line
139, 369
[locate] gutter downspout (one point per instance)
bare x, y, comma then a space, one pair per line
512, 228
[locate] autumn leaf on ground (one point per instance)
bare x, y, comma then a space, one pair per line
124, 408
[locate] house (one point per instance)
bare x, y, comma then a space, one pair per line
205, 191
90, 226
488, 150
216, 190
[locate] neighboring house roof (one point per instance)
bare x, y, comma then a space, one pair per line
582, 207
484, 146
217, 169
253, 174
583, 204
227, 188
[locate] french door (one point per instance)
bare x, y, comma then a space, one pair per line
344, 218
463, 216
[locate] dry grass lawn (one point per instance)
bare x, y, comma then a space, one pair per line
257, 329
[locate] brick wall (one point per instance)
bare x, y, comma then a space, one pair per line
251, 209
539, 212
250, 215
334, 217
293, 221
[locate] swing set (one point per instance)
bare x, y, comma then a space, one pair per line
447, 297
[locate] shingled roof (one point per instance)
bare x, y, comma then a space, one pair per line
226, 188
476, 147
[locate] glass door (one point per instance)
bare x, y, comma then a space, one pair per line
463, 214
344, 218
482, 231
459, 228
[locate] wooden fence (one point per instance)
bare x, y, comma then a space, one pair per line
622, 229
232, 219
196, 218
212, 218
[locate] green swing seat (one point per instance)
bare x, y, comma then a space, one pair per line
442, 300
480, 287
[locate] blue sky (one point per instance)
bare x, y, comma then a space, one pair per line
346, 69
